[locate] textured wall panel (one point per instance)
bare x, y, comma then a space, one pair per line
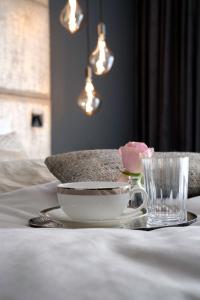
44, 2
24, 44
25, 72
18, 112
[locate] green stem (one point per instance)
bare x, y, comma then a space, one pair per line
125, 172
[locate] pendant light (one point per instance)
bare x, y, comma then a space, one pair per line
89, 100
101, 58
71, 16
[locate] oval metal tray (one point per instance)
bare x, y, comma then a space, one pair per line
54, 217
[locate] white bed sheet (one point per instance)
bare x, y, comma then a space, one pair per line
92, 264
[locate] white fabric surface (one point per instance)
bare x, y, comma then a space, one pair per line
11, 141
92, 264
10, 155
20, 173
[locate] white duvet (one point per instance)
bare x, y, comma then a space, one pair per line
92, 264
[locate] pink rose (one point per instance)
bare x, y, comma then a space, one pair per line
132, 153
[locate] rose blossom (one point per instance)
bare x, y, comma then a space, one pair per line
132, 153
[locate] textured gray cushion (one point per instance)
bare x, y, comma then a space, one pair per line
87, 165
105, 165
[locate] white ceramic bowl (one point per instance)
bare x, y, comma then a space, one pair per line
94, 200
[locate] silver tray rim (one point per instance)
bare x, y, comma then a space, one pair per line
122, 225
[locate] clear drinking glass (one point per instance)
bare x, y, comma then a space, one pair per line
166, 183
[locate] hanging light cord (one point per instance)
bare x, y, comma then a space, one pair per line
100, 11
88, 29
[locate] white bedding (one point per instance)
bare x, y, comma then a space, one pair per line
21, 173
92, 264
11, 147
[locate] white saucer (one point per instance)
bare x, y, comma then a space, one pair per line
128, 215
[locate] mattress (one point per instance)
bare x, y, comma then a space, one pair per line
92, 263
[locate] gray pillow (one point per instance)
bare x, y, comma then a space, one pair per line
91, 165
86, 165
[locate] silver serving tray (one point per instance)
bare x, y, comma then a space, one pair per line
53, 217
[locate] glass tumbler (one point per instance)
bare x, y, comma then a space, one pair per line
166, 183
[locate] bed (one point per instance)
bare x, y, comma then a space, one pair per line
88, 264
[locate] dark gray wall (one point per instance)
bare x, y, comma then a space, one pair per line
112, 126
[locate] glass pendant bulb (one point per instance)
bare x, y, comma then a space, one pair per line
89, 100
101, 58
71, 16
